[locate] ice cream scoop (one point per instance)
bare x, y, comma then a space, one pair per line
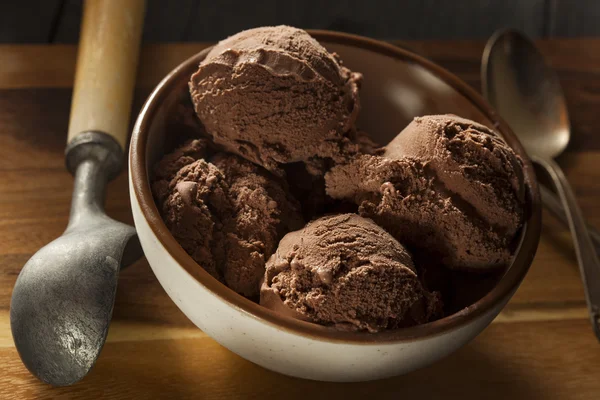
445, 186
470, 162
63, 299
226, 212
274, 95
347, 272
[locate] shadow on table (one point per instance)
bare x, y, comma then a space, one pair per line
200, 368
471, 373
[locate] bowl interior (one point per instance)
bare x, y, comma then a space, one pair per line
395, 91
397, 86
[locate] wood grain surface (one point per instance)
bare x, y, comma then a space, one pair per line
541, 346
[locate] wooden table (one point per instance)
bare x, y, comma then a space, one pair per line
540, 347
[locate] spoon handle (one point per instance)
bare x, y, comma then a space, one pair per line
552, 202
586, 254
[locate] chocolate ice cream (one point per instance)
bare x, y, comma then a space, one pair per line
347, 272
227, 213
274, 117
183, 155
274, 95
445, 186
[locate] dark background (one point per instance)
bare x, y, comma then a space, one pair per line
57, 21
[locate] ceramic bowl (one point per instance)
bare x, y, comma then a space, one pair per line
398, 85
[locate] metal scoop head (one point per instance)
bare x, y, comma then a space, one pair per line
63, 299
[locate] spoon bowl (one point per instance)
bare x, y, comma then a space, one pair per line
527, 93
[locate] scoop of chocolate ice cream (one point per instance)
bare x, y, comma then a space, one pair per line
227, 213
183, 155
445, 186
274, 95
187, 203
345, 271
262, 212
470, 161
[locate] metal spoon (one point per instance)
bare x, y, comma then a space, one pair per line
63, 299
527, 93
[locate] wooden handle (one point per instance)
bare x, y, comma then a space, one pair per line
107, 60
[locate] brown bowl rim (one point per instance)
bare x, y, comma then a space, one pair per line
508, 283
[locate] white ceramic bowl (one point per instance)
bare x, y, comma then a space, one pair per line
398, 85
